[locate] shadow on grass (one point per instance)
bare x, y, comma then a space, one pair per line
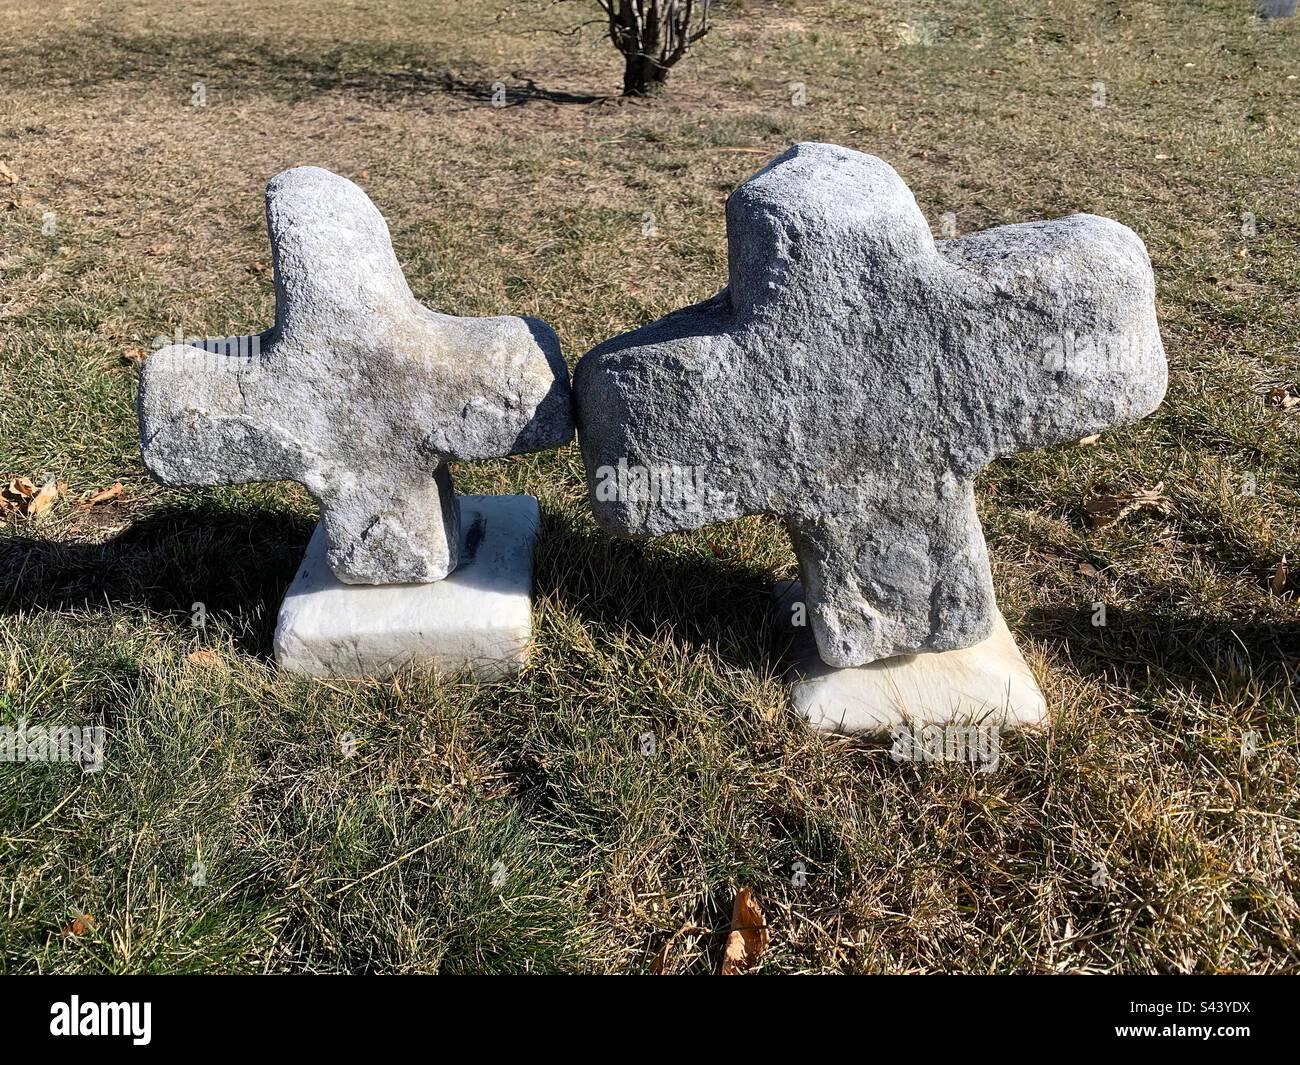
237, 563
381, 83
640, 587
727, 606
226, 62
1152, 650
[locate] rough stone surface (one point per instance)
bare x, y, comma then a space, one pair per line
1269, 9
359, 393
479, 619
988, 683
855, 376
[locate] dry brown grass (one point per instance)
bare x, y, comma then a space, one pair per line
537, 208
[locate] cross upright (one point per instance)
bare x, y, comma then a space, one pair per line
855, 376
358, 392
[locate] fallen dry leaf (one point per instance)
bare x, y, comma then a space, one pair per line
1281, 397
1101, 511
22, 495
42, 500
135, 355
8, 175
748, 937
203, 657
104, 495
1089, 440
80, 925
1087, 569
1277, 585
21, 488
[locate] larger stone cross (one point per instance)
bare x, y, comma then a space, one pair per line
855, 376
358, 392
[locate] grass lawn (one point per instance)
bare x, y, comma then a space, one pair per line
519, 827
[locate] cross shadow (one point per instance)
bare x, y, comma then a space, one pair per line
635, 586
728, 607
1160, 649
237, 563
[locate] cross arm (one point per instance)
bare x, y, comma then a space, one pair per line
197, 428
512, 396
663, 420
1061, 338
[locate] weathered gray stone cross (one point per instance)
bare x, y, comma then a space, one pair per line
358, 392
855, 376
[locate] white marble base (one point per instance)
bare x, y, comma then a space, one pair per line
989, 683
479, 618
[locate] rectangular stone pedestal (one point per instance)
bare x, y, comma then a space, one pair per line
478, 618
989, 683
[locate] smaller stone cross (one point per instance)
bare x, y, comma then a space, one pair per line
855, 376
359, 392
